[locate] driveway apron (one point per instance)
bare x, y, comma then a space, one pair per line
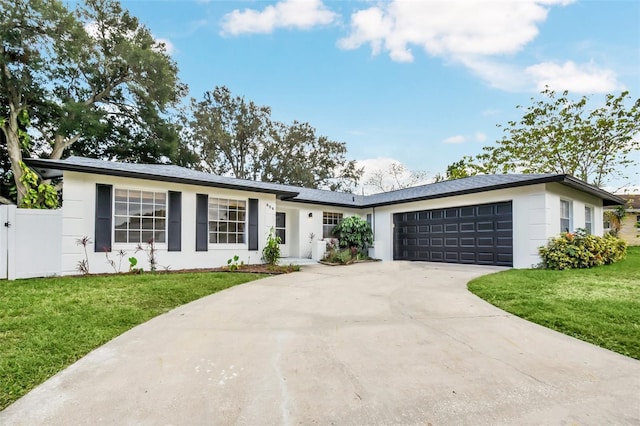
393, 343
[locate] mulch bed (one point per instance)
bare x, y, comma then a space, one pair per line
246, 269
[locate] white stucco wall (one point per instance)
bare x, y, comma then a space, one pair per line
79, 215
579, 200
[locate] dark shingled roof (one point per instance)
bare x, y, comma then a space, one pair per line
170, 173
160, 172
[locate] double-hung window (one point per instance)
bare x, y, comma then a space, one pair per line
588, 219
227, 221
566, 213
139, 216
329, 221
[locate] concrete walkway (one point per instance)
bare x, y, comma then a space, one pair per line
371, 344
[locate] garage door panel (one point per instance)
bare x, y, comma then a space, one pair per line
438, 227
467, 257
467, 242
436, 214
485, 257
452, 256
451, 242
504, 225
486, 210
480, 234
451, 227
437, 242
485, 241
503, 208
467, 212
484, 226
436, 256
468, 227
503, 242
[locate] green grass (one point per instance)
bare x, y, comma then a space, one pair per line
599, 305
47, 324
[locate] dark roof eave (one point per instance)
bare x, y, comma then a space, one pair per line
608, 199
355, 205
44, 168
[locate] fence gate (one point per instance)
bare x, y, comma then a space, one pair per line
30, 242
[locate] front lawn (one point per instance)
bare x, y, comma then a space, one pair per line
46, 324
599, 305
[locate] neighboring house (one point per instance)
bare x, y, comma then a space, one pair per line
628, 227
200, 220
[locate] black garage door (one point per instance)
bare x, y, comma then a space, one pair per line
480, 234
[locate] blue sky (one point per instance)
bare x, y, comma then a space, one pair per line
420, 82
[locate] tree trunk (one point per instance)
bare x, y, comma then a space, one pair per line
60, 144
10, 130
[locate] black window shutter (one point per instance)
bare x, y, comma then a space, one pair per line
102, 240
202, 218
174, 229
253, 224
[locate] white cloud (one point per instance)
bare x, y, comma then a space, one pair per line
480, 137
476, 34
298, 14
575, 78
455, 139
499, 75
453, 29
169, 47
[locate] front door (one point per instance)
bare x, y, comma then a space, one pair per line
281, 231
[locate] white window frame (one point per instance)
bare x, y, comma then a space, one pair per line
229, 225
566, 219
329, 221
588, 224
153, 213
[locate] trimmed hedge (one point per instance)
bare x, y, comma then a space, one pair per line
580, 250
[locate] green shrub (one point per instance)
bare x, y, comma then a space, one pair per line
354, 231
341, 256
580, 250
271, 252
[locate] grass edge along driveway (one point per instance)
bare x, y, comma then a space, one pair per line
600, 305
46, 324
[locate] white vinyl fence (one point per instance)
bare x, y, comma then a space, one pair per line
30, 242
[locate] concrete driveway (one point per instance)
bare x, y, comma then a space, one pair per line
382, 343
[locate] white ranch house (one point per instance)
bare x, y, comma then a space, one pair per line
199, 220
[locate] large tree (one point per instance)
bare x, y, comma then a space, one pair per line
236, 137
558, 135
295, 155
229, 132
92, 81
